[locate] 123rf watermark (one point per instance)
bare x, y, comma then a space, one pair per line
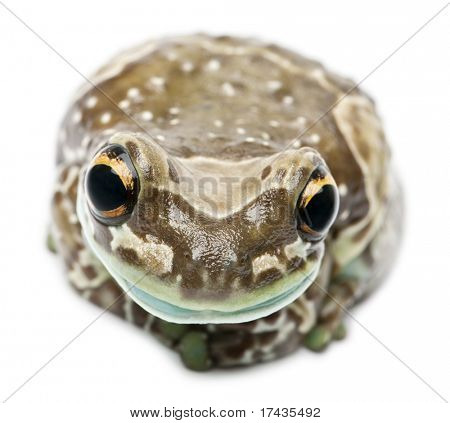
174, 414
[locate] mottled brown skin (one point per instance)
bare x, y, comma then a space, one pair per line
196, 107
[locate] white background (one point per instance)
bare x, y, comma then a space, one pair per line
112, 366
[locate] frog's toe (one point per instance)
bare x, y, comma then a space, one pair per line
340, 332
172, 332
194, 351
318, 338
50, 243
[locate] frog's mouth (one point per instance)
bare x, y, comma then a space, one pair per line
176, 314
167, 304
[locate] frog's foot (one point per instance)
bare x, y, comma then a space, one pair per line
190, 341
320, 336
194, 350
329, 326
330, 323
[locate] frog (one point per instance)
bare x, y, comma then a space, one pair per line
229, 196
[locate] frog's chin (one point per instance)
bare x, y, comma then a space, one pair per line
176, 314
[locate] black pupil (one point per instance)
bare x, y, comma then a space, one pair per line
105, 188
321, 209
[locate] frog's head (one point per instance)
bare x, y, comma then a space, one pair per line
201, 240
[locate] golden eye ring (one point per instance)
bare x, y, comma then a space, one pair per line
318, 205
112, 185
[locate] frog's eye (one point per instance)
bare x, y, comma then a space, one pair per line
317, 205
112, 185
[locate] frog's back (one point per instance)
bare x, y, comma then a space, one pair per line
235, 99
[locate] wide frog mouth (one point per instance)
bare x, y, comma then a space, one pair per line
242, 307
176, 314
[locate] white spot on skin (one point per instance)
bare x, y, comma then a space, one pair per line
172, 55
228, 89
213, 65
344, 215
157, 256
160, 137
265, 136
77, 116
91, 102
105, 118
301, 121
174, 121
274, 85
73, 219
298, 248
343, 189
146, 115
133, 93
178, 278
124, 104
174, 110
314, 138
218, 123
187, 67
157, 82
250, 139
253, 214
296, 144
288, 100
274, 123
240, 130
266, 262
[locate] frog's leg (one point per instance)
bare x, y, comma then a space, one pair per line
345, 288
358, 278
